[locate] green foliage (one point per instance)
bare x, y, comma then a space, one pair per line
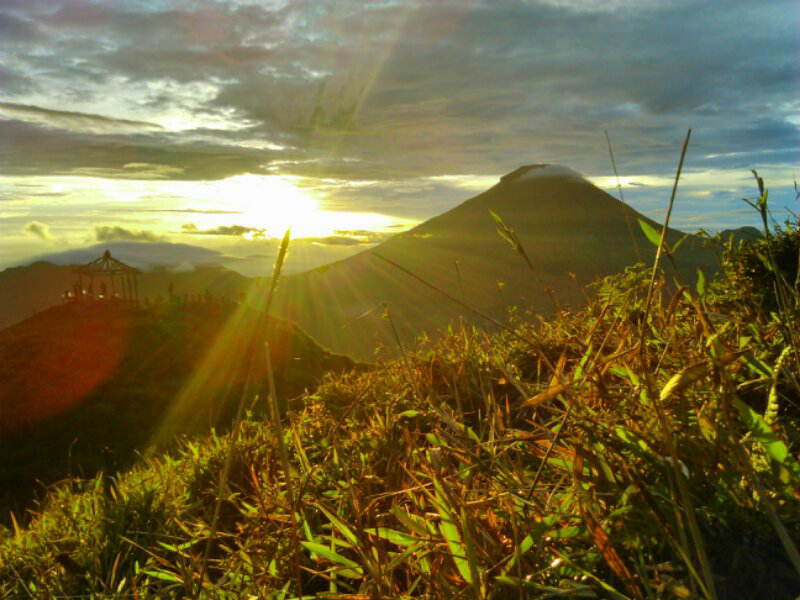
653, 236
562, 459
749, 270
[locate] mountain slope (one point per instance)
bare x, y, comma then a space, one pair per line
83, 387
566, 224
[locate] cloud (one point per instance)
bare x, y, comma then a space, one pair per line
40, 230
191, 211
400, 89
19, 29
338, 240
27, 149
422, 100
363, 236
115, 233
234, 230
74, 121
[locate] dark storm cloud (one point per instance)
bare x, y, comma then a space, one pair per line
399, 90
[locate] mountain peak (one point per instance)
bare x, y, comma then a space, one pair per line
538, 171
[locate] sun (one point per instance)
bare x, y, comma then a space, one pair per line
265, 206
274, 204
270, 204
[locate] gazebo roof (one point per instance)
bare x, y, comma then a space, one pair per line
106, 265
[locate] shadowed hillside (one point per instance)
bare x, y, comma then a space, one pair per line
82, 387
566, 225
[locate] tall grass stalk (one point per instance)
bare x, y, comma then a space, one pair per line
287, 475
223, 484
782, 287
234, 436
512, 238
622, 199
665, 424
412, 381
460, 282
651, 287
276, 414
472, 309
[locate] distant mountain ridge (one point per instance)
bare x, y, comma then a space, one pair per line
142, 255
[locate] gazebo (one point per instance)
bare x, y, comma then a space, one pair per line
115, 271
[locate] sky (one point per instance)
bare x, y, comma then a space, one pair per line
220, 123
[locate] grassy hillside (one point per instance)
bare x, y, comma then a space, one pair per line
86, 387
572, 231
626, 450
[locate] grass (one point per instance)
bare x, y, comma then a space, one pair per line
634, 449
143, 361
